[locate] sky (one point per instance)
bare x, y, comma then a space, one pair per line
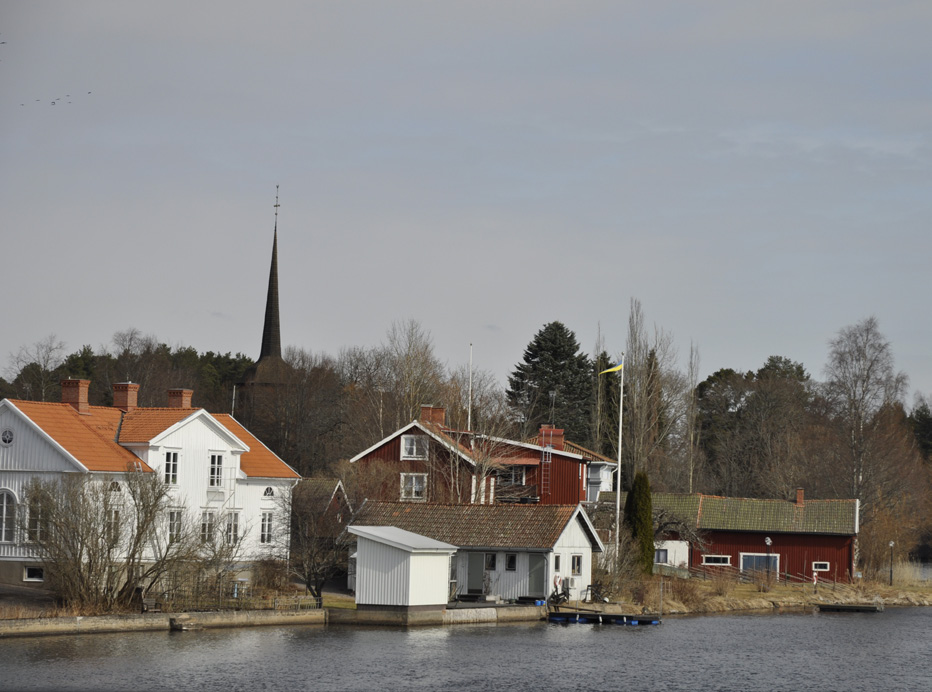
757, 174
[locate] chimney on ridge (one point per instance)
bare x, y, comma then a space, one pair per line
74, 392
552, 436
434, 414
800, 496
180, 398
125, 395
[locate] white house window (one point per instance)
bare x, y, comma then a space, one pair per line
556, 563
6, 437
820, 567
660, 556
716, 559
511, 562
414, 486
35, 524
208, 526
269, 492
216, 471
171, 468
265, 529
114, 487
576, 564
113, 526
174, 525
490, 562
33, 574
7, 516
414, 446
232, 528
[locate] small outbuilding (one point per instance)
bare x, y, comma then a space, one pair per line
400, 570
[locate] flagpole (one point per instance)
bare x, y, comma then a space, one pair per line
621, 396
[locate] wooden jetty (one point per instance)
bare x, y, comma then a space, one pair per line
851, 607
595, 617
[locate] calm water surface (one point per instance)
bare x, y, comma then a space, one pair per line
890, 650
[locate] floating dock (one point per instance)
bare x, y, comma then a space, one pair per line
851, 607
597, 618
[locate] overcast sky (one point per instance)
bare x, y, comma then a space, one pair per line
757, 174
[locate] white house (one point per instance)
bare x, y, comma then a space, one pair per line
399, 569
505, 551
217, 472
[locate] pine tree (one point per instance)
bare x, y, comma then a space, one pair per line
640, 521
553, 383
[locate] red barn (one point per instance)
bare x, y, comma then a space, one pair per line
798, 538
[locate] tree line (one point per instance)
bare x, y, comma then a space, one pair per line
759, 433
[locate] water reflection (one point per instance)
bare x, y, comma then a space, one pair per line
889, 650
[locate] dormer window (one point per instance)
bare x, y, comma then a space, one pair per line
414, 447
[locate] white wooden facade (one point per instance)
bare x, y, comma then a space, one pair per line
400, 569
209, 477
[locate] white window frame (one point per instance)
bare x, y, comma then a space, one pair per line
231, 528
40, 570
576, 565
175, 523
821, 566
170, 476
113, 525
208, 526
556, 562
717, 560
268, 492
215, 473
35, 524
409, 489
419, 447
7, 516
661, 553
773, 556
265, 528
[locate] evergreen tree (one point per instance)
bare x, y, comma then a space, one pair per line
553, 384
920, 421
640, 521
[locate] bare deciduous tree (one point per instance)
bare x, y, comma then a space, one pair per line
33, 368
100, 538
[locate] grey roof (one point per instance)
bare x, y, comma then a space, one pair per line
399, 538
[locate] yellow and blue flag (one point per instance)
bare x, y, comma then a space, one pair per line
616, 368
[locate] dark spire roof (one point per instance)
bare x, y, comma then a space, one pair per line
271, 330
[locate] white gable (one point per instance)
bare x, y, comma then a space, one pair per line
31, 449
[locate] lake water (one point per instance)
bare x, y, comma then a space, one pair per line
889, 650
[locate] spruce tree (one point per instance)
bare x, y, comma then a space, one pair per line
553, 384
640, 521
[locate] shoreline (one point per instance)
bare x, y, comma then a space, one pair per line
778, 600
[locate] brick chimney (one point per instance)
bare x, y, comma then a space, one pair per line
74, 392
552, 436
180, 398
125, 395
434, 414
800, 496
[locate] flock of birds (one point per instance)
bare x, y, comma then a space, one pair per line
53, 101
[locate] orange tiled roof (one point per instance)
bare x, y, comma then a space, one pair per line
144, 424
259, 461
89, 438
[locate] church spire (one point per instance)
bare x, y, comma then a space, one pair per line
271, 331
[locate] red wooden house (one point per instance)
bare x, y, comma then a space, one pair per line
425, 461
797, 539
